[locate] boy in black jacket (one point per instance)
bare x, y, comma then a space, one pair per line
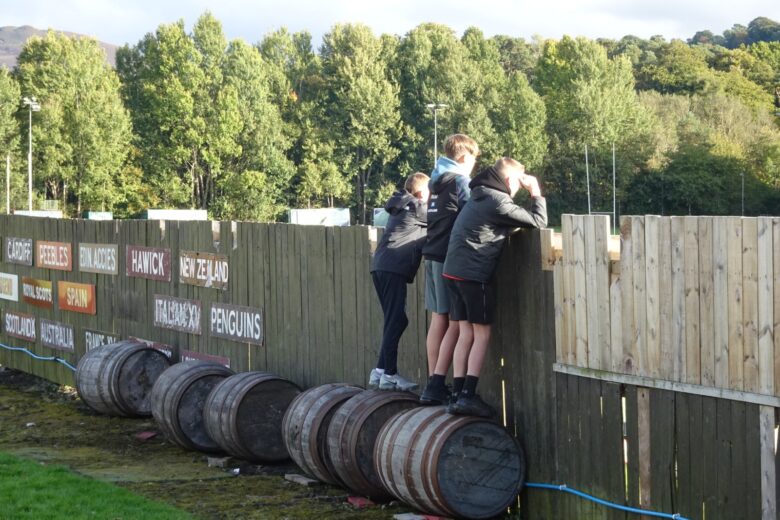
476, 242
396, 261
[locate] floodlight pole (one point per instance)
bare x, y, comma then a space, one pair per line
435, 107
33, 106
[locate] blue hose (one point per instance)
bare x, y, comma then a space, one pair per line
42, 358
566, 489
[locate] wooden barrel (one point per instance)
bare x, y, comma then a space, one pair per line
449, 465
352, 435
117, 379
243, 414
305, 428
178, 397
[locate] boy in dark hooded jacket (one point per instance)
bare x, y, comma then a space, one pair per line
476, 242
396, 261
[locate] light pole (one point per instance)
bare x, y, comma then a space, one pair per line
435, 107
34, 106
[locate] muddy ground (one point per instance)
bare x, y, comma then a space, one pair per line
48, 423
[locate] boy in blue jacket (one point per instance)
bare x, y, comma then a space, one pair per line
396, 261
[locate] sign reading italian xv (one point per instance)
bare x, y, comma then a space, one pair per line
76, 297
242, 324
53, 255
38, 292
19, 250
177, 314
148, 262
57, 335
99, 258
18, 325
189, 355
203, 269
95, 338
9, 287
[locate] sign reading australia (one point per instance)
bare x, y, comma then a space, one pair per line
177, 314
242, 324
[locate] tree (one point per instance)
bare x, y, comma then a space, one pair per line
10, 99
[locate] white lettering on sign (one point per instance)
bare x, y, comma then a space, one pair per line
189, 355
37, 293
9, 287
57, 335
98, 258
52, 255
242, 324
19, 250
177, 314
147, 262
94, 339
20, 326
77, 297
204, 269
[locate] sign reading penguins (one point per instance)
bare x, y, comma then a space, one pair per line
236, 323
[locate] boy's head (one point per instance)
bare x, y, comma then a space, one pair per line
417, 185
462, 149
511, 172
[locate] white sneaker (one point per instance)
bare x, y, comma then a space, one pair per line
373, 378
396, 382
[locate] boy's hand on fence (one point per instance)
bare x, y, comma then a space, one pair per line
530, 184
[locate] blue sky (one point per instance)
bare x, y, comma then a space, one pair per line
127, 21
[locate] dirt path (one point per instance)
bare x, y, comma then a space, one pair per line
44, 422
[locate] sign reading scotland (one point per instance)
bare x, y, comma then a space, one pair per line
18, 325
18, 250
9, 287
203, 269
57, 335
242, 324
98, 258
177, 314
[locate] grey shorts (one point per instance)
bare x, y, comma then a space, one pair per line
436, 297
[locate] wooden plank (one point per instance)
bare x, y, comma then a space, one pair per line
665, 302
591, 295
766, 347
706, 302
750, 302
561, 350
698, 464
710, 462
734, 283
612, 438
662, 447
692, 332
580, 290
601, 228
724, 454
678, 296
683, 497
768, 476
569, 324
720, 312
739, 448
776, 301
639, 347
653, 278
628, 331
616, 323
632, 440
645, 456
753, 462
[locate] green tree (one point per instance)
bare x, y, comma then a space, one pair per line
10, 99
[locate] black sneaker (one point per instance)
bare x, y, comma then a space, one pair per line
471, 405
434, 396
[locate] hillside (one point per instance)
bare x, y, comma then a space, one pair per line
12, 40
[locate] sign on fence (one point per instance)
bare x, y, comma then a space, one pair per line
18, 325
95, 338
236, 323
9, 287
149, 262
204, 269
189, 355
19, 250
38, 292
57, 335
76, 297
162, 347
177, 314
98, 258
53, 255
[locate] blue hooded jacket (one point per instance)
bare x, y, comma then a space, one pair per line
449, 193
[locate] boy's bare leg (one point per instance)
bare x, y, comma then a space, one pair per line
478, 349
460, 358
436, 333
447, 348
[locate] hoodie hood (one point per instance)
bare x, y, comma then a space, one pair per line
444, 165
490, 178
398, 202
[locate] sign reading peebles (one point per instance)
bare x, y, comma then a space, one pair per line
177, 314
18, 325
98, 258
204, 269
18, 250
149, 262
242, 324
38, 292
76, 297
57, 335
53, 255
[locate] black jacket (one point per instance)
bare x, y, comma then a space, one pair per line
486, 220
400, 248
449, 192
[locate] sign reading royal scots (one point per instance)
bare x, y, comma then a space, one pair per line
38, 292
236, 323
9, 287
76, 297
95, 338
189, 355
53, 255
203, 269
57, 335
162, 347
18, 325
148, 262
99, 258
19, 250
177, 314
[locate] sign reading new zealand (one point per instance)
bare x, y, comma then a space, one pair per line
57, 335
76, 297
149, 262
53, 255
177, 314
9, 287
18, 325
203, 269
38, 292
19, 250
242, 324
98, 258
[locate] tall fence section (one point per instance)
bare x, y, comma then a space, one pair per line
641, 369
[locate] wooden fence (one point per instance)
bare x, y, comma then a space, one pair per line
626, 441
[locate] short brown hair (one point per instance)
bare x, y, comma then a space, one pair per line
416, 182
458, 145
505, 164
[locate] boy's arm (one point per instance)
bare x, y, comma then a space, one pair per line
464, 192
510, 214
421, 213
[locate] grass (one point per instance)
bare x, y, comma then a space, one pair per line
32, 490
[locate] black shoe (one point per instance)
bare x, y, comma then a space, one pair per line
434, 396
471, 405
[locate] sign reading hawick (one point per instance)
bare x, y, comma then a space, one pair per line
148, 262
177, 314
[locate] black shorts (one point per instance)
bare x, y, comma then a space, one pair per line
474, 302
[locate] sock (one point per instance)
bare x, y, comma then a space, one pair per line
470, 386
436, 381
457, 384
380, 371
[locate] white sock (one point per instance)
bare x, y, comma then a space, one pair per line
380, 371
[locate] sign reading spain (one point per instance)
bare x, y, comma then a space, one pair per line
53, 255
38, 292
57, 335
148, 262
98, 258
177, 314
19, 250
9, 287
76, 297
18, 325
204, 269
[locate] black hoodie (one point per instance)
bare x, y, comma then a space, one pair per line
400, 248
484, 222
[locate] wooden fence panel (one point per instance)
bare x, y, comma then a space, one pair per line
750, 303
